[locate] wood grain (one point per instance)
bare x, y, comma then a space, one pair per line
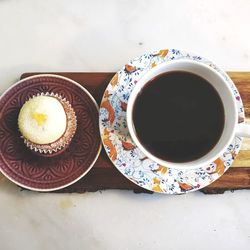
105, 176
242, 81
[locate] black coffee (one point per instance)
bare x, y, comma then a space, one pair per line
178, 116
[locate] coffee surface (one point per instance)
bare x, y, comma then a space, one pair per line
178, 116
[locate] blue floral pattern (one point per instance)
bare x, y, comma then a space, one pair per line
124, 154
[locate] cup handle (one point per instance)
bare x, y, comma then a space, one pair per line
243, 130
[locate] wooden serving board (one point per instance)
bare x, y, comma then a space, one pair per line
105, 176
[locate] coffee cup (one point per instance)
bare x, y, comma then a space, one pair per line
231, 127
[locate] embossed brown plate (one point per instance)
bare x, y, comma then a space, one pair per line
26, 169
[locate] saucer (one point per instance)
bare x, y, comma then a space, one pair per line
30, 171
128, 158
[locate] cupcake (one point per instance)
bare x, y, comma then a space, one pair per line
47, 124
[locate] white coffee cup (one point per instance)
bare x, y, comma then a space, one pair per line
231, 126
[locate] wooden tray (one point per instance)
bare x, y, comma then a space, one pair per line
105, 176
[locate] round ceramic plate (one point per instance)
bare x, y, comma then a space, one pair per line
124, 154
38, 173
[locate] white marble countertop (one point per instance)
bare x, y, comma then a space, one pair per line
61, 35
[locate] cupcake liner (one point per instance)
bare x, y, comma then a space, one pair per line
65, 139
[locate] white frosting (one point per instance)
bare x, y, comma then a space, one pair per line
42, 120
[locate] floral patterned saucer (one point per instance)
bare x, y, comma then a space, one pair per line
127, 157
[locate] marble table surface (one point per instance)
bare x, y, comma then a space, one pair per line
61, 35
